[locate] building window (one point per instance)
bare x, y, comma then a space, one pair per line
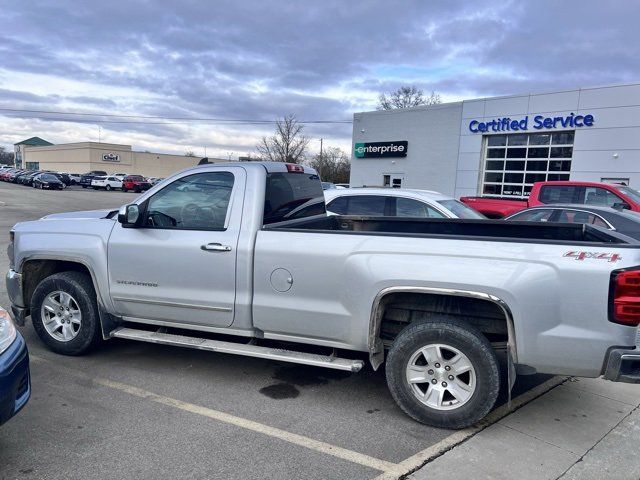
33, 166
513, 163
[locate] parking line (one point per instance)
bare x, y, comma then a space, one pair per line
416, 461
349, 455
390, 471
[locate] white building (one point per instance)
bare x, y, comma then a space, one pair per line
500, 146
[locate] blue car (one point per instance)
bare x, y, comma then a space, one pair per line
15, 382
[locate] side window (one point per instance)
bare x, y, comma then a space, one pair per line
368, 205
597, 221
537, 215
576, 216
338, 206
194, 202
407, 207
559, 194
600, 196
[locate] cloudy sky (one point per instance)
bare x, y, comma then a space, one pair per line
259, 60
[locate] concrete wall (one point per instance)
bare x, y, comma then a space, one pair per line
85, 156
432, 134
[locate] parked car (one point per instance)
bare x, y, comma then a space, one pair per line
49, 181
28, 179
395, 202
137, 183
75, 178
15, 175
434, 299
18, 177
620, 220
85, 179
6, 173
15, 380
108, 183
63, 177
543, 193
120, 176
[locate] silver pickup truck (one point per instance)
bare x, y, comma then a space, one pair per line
221, 253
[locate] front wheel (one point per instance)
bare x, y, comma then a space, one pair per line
124, 190
108, 188
64, 313
443, 373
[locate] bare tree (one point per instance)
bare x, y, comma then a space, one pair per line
189, 153
6, 158
332, 166
406, 97
288, 144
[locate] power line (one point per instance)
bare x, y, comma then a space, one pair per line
143, 119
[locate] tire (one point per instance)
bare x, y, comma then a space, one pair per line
85, 333
108, 188
449, 338
84, 186
137, 190
124, 190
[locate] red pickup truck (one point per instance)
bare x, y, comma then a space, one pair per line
542, 193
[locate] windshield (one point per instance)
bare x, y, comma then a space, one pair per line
630, 192
460, 209
48, 178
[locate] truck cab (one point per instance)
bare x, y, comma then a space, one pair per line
566, 192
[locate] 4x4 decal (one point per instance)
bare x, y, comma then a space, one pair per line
610, 257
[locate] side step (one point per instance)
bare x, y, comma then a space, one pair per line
239, 349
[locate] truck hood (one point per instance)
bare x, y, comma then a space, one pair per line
88, 214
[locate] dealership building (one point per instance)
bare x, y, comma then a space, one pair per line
38, 154
500, 146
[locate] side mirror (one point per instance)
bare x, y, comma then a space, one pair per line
129, 215
621, 206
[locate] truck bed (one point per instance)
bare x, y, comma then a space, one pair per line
492, 230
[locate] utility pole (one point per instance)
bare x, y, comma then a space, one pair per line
205, 151
99, 133
321, 148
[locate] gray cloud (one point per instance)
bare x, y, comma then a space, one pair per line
261, 60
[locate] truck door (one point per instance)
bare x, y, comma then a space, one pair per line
179, 265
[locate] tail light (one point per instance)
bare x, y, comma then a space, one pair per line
625, 298
293, 168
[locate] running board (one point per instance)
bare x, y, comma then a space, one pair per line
239, 349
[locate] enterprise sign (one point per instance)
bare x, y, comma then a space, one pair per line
539, 122
381, 149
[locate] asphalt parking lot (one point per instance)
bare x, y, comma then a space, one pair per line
148, 411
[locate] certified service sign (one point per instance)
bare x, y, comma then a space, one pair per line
381, 149
111, 157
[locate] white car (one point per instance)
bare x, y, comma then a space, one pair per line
396, 202
108, 183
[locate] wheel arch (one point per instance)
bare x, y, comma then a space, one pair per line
433, 295
34, 269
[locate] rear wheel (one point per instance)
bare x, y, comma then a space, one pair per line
443, 373
64, 313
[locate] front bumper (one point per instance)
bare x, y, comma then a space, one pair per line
15, 379
623, 364
19, 310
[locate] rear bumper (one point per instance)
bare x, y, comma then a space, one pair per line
15, 380
623, 365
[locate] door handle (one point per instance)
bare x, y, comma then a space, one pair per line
216, 247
